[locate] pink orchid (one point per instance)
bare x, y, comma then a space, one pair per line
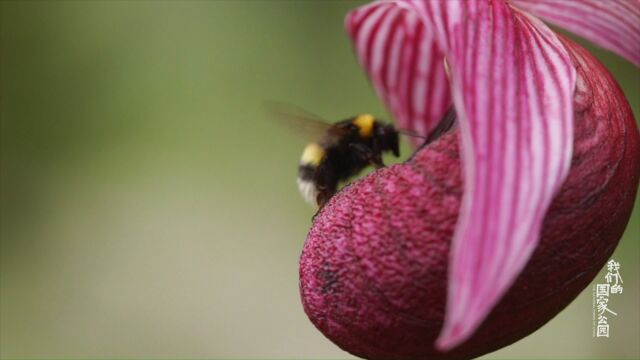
488, 232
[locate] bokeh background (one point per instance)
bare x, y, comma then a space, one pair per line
148, 208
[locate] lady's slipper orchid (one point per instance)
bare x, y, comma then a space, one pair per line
510, 231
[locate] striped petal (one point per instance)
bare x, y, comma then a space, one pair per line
612, 24
404, 64
512, 86
513, 89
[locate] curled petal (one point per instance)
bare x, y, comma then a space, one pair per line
612, 24
404, 64
512, 87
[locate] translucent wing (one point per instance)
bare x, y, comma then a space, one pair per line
298, 120
313, 127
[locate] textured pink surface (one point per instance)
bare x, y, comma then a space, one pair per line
373, 271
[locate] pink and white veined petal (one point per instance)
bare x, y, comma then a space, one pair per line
512, 83
612, 24
404, 64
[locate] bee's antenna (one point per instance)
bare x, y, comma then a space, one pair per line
411, 133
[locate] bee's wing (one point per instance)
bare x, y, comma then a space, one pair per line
302, 122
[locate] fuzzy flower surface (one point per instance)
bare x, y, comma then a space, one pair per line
443, 254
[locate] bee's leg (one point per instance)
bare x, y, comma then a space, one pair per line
327, 185
373, 157
376, 161
323, 198
327, 191
376, 154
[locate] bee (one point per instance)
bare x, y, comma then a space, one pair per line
340, 150
346, 148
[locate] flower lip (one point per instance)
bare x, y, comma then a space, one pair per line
515, 138
512, 86
373, 272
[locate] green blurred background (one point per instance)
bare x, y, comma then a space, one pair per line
147, 207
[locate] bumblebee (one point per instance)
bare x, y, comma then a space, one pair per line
347, 147
342, 149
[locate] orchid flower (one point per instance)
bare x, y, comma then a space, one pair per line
542, 169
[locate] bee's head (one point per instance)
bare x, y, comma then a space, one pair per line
389, 137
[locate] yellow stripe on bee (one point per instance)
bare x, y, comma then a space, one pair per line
312, 154
364, 122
